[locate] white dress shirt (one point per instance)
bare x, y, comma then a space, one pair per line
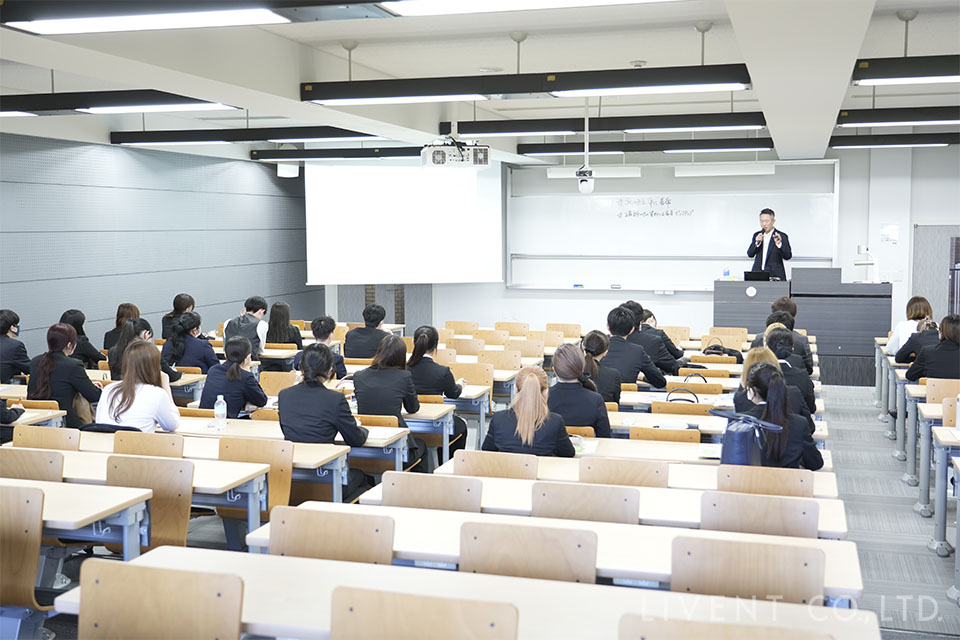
151, 406
901, 333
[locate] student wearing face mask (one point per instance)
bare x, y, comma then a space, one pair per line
13, 355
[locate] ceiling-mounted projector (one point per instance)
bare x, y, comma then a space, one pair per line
454, 153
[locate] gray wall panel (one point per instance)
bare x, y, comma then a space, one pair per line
417, 306
931, 262
350, 303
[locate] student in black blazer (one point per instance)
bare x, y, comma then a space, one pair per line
363, 342
595, 345
574, 398
57, 376
184, 348
322, 328
650, 324
770, 247
780, 341
801, 346
125, 311
386, 387
794, 446
628, 358
279, 330
795, 402
529, 426
432, 379
233, 380
927, 335
13, 355
651, 343
133, 330
85, 352
943, 359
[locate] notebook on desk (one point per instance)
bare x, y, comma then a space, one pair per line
710, 450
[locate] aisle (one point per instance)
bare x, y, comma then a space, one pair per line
903, 582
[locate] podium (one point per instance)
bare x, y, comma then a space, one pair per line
745, 304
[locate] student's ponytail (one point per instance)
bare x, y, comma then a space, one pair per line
767, 381
181, 328
594, 344
236, 351
780, 341
425, 340
569, 364
58, 337
529, 406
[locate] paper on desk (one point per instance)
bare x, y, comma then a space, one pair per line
710, 450
672, 424
588, 448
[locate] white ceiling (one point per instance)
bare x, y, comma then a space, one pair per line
260, 68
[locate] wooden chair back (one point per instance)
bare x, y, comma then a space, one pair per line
802, 332
752, 513
950, 412
21, 523
162, 341
628, 386
31, 464
585, 501
431, 491
665, 435
103, 365
359, 361
495, 464
339, 333
408, 340
137, 443
45, 405
465, 346
354, 325
448, 334
462, 327
46, 438
520, 329
624, 471
299, 324
277, 453
765, 480
725, 340
479, 374
706, 373
739, 569
195, 370
219, 330
207, 605
568, 330
445, 356
528, 348
378, 421
430, 399
273, 382
216, 343
525, 551
583, 432
681, 408
188, 412
738, 332
713, 359
611, 406
171, 480
696, 387
550, 338
937, 389
635, 626
503, 360
675, 333
357, 614
266, 414
491, 336
350, 537
100, 375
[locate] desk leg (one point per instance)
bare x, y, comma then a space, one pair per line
253, 509
340, 477
953, 593
939, 542
197, 391
923, 502
903, 452
398, 458
892, 394
131, 541
447, 426
884, 395
878, 365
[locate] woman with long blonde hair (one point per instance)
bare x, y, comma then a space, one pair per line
528, 426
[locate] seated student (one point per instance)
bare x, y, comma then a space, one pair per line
56, 376
182, 303
529, 426
574, 398
650, 325
142, 399
279, 330
386, 387
794, 446
362, 342
125, 311
595, 345
432, 379
628, 358
249, 324
927, 335
651, 343
785, 303
795, 401
7, 417
185, 348
13, 355
780, 340
941, 360
85, 352
918, 308
135, 329
322, 328
800, 345
233, 380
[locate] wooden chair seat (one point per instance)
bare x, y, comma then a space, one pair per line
585, 501
350, 537
430, 491
583, 432
525, 551
495, 464
46, 438
667, 435
624, 471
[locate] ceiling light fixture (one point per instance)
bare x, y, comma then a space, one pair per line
352, 102
900, 117
291, 155
651, 90
15, 114
742, 121
253, 134
720, 150
145, 22
713, 145
895, 141
907, 70
411, 8
123, 101
157, 108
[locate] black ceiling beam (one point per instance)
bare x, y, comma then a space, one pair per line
899, 114
255, 134
906, 67
641, 146
40, 102
320, 154
18, 10
610, 123
896, 139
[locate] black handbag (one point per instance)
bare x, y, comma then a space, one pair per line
743, 438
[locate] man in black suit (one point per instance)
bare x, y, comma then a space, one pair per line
801, 346
770, 247
650, 342
628, 358
650, 325
13, 355
362, 342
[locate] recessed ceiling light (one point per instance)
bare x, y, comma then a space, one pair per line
655, 89
158, 108
150, 22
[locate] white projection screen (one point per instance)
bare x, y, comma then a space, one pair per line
403, 225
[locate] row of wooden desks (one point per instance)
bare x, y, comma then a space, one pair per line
727, 384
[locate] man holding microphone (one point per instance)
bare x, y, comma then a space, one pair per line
770, 247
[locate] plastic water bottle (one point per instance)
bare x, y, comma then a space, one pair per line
726, 273
220, 414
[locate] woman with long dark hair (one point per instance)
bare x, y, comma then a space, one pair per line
142, 399
793, 446
84, 351
433, 379
56, 376
233, 380
575, 396
125, 311
182, 302
941, 360
135, 330
279, 330
595, 346
185, 348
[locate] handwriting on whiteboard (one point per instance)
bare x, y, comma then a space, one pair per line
650, 207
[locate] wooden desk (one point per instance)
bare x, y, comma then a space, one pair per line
291, 597
94, 514
13, 392
712, 426
51, 417
727, 384
524, 362
642, 400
